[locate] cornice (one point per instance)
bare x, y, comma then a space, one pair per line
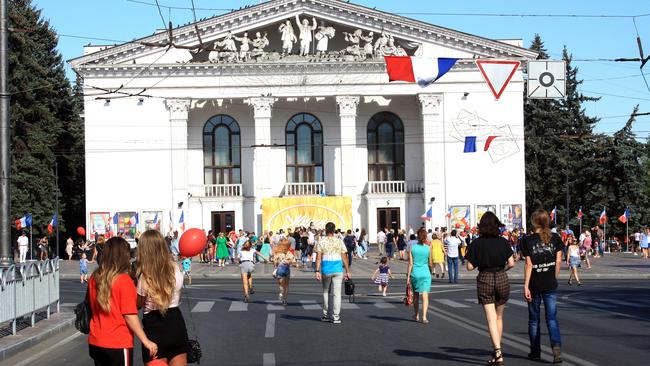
333, 9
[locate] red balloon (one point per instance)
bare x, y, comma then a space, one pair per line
457, 226
81, 231
192, 242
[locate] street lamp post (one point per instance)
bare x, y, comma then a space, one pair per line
6, 256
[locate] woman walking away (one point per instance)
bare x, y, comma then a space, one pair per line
381, 275
543, 252
159, 290
492, 255
113, 302
283, 259
573, 260
438, 256
247, 267
222, 250
419, 275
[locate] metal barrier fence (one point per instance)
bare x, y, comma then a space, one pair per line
27, 288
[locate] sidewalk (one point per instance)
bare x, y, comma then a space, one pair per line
28, 337
612, 266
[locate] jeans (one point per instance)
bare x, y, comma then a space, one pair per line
550, 307
332, 284
452, 267
389, 250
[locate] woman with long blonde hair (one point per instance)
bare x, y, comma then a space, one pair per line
543, 252
159, 289
113, 301
283, 259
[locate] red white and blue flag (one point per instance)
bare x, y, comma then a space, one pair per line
52, 224
554, 214
181, 221
603, 216
23, 222
625, 216
421, 70
155, 219
448, 215
580, 213
427, 215
509, 213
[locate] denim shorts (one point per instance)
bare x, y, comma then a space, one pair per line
83, 271
284, 270
574, 262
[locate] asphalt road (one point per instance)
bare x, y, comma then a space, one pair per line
602, 323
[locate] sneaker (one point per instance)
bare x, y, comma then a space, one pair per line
336, 321
557, 354
325, 319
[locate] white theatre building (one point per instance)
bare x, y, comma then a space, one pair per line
252, 105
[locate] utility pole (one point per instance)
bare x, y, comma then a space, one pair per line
56, 192
6, 255
568, 199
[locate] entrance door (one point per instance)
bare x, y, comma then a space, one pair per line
223, 221
388, 218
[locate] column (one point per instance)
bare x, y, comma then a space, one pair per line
433, 130
178, 115
262, 111
346, 177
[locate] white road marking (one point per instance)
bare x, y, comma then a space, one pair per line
238, 306
270, 326
517, 302
268, 359
203, 307
68, 304
452, 303
383, 304
274, 305
349, 305
310, 305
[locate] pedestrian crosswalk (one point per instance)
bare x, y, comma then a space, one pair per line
386, 303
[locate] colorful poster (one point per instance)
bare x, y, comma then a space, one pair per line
292, 212
481, 209
460, 218
152, 220
512, 216
99, 224
127, 224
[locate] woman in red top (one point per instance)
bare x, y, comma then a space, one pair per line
113, 301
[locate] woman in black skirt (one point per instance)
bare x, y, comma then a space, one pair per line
159, 289
493, 256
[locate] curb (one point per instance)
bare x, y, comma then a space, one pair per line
11, 350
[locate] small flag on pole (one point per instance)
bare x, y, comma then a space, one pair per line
603, 216
52, 224
488, 142
580, 213
427, 215
554, 213
181, 221
625, 216
23, 222
155, 219
448, 215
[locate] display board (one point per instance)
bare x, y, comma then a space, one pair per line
292, 212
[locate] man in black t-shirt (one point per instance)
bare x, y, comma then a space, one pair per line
543, 252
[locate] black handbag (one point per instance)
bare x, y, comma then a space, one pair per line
193, 351
83, 314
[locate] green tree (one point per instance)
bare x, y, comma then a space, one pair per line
43, 116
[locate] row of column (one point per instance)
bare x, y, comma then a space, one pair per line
431, 108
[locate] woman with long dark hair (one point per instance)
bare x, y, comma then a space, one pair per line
113, 301
543, 252
493, 256
159, 290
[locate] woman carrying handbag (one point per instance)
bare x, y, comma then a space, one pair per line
419, 275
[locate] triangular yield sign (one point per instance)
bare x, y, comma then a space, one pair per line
497, 74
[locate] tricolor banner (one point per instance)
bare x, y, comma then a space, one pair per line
23, 222
421, 70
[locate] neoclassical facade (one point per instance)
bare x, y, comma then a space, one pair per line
290, 98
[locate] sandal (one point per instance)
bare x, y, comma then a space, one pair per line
251, 291
424, 321
497, 358
416, 318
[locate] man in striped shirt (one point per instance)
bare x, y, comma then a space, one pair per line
331, 261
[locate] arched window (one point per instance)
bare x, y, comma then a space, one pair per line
304, 136
385, 147
221, 151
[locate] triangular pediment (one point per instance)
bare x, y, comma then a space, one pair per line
353, 32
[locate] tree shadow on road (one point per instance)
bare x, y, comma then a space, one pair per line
439, 356
300, 317
391, 318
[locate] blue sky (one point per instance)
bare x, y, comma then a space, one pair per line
619, 84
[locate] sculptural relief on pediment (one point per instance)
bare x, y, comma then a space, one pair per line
302, 39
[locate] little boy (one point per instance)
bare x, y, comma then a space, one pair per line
187, 268
83, 268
